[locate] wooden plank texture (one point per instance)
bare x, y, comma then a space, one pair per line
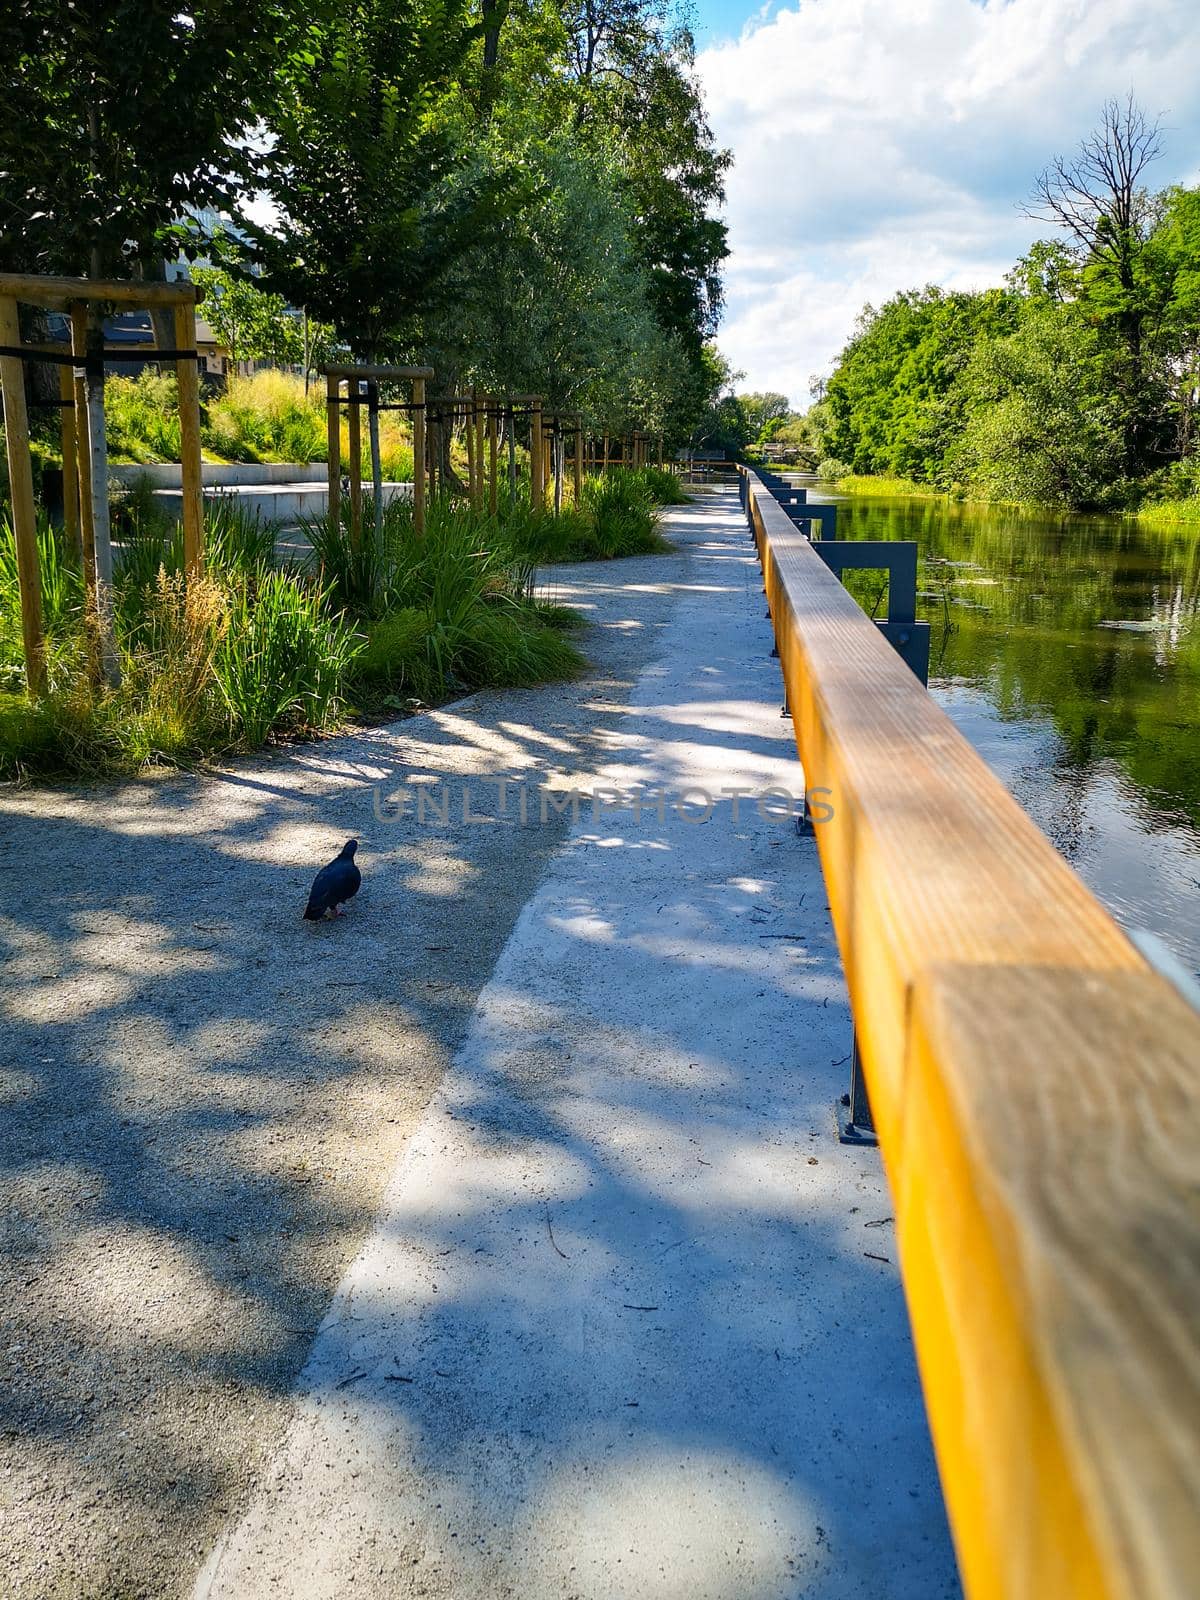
20, 488
59, 293
380, 374
1036, 1087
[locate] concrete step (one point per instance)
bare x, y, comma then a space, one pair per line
273, 502
168, 474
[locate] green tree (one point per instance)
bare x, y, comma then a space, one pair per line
893, 403
1042, 423
1098, 197
764, 410
367, 134
255, 325
121, 119
1173, 252
621, 74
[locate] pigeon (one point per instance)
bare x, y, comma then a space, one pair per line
335, 883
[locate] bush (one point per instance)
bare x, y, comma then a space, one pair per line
141, 417
624, 516
267, 417
452, 609
663, 487
395, 669
830, 470
283, 661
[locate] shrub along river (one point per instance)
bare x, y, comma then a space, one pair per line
1067, 650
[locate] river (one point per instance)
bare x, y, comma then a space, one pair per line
1067, 650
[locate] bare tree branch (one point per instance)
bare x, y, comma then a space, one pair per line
1097, 195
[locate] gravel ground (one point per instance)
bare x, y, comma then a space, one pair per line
203, 1095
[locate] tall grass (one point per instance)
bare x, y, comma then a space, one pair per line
250, 652
452, 609
141, 417
62, 594
663, 487
283, 663
624, 514
267, 416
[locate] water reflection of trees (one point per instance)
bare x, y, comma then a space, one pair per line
1030, 635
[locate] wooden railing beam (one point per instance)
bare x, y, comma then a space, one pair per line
1036, 1090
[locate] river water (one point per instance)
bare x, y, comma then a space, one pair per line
1067, 650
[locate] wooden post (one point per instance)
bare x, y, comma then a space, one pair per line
493, 456
537, 487
376, 458
188, 379
510, 423
556, 459
87, 526
480, 403
354, 447
20, 488
110, 662
66, 393
418, 438
604, 457
578, 461
472, 460
333, 434
660, 451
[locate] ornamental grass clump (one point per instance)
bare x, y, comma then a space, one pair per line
624, 514
283, 663
444, 611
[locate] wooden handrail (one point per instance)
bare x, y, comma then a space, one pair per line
1036, 1090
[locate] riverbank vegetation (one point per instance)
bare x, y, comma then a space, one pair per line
1076, 384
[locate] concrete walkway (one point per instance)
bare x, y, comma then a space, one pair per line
629, 1323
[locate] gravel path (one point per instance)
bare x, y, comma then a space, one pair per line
202, 1096
629, 1325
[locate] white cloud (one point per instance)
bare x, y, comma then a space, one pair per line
881, 144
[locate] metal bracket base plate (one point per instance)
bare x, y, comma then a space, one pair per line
851, 1132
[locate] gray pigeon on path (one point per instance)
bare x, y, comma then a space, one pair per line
334, 884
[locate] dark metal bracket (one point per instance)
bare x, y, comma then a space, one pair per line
855, 1123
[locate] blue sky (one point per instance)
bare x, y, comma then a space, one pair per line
721, 19
883, 144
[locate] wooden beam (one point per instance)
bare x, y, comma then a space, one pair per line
191, 476
333, 443
479, 401
87, 523
20, 488
1036, 1091
379, 374
578, 461
472, 458
418, 436
61, 293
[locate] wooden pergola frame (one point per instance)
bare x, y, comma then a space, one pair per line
85, 455
353, 376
